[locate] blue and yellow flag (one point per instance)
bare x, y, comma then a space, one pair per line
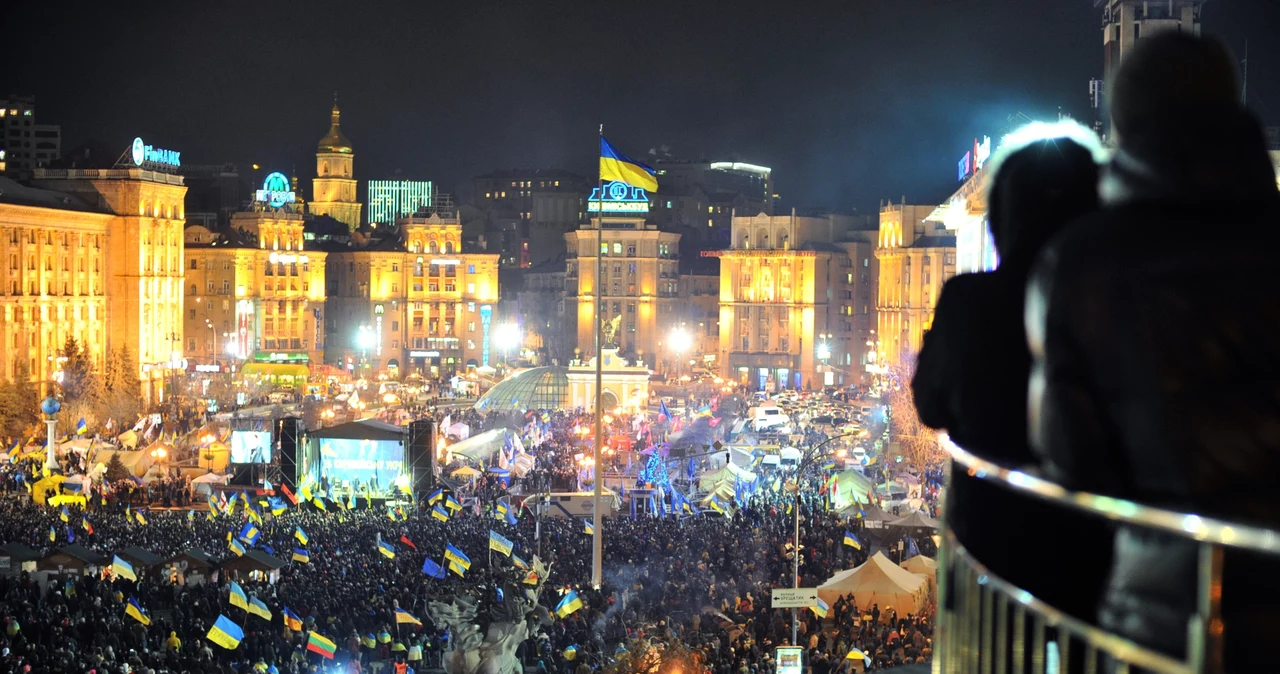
249, 533
235, 546
500, 543
225, 633
141, 519
618, 167
256, 607
238, 597
122, 569
403, 616
455, 555
65, 516
435, 496
291, 619
301, 555
135, 611
587, 528
570, 603
301, 535
452, 504
438, 513
852, 541
457, 568
81, 426
388, 550
821, 609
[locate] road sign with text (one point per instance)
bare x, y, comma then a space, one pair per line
803, 597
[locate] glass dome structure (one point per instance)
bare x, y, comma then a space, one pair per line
539, 388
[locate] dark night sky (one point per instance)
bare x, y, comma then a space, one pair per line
848, 101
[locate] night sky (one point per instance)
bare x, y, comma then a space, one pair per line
849, 102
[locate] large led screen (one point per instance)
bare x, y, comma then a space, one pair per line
250, 446
354, 463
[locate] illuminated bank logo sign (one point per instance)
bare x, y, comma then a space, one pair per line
618, 198
146, 154
276, 191
975, 159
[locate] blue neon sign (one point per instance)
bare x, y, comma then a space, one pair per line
146, 154
618, 198
486, 318
276, 191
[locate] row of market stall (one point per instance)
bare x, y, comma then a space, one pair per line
190, 567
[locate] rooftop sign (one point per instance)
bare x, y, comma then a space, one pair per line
276, 191
618, 198
146, 154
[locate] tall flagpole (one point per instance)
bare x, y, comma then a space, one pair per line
597, 530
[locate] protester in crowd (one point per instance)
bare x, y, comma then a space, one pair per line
1152, 331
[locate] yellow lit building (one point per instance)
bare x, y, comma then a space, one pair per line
333, 191
255, 298
789, 310
642, 279
916, 257
52, 246
141, 259
412, 302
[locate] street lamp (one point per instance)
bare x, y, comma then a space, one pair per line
680, 341
807, 461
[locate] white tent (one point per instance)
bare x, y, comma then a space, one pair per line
879, 581
925, 567
789, 454
204, 484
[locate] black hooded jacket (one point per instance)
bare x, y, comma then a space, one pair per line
1155, 334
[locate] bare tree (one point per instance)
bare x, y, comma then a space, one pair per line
917, 444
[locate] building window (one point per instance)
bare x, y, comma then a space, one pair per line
471, 269
194, 264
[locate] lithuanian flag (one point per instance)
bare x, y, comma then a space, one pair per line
321, 645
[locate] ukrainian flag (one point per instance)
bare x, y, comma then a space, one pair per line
520, 563
135, 611
388, 550
615, 166
435, 496
259, 609
65, 516
457, 568
438, 513
403, 616
301, 555
249, 533
81, 426
291, 620
856, 654
236, 546
455, 555
821, 609
141, 520
569, 604
122, 569
571, 653
301, 535
852, 541
225, 633
452, 504
587, 528
500, 543
238, 597
368, 641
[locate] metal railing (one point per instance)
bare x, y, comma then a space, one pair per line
987, 625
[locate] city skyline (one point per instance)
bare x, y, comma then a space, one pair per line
854, 108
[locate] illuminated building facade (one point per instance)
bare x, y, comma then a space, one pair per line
698, 312
412, 302
790, 305
916, 257
141, 258
52, 245
390, 200
255, 297
334, 187
641, 279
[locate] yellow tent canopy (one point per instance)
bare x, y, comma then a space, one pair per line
465, 471
40, 489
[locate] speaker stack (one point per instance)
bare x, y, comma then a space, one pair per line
421, 457
287, 432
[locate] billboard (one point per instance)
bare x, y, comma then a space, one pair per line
355, 463
250, 446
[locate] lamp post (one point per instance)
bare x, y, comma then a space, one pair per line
364, 340
506, 337
795, 553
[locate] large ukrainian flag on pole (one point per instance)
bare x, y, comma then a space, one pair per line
617, 166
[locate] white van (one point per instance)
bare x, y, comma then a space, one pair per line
767, 416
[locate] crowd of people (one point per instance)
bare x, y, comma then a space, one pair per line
703, 580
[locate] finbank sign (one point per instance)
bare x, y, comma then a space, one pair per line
147, 154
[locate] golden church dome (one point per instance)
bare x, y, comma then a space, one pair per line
334, 141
